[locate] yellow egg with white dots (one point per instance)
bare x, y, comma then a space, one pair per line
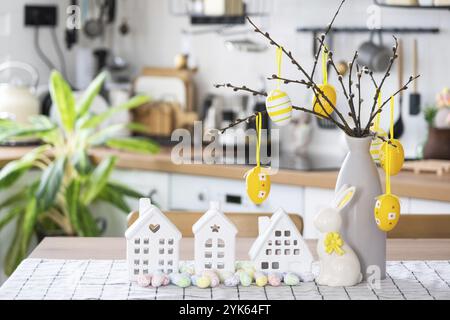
396, 156
258, 184
329, 92
387, 212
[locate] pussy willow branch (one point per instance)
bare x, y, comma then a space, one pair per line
358, 86
403, 88
243, 88
378, 89
350, 92
315, 87
322, 39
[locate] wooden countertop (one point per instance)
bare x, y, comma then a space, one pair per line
115, 248
405, 184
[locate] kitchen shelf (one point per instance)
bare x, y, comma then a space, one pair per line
399, 6
396, 30
218, 19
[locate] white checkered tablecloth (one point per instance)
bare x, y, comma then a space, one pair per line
108, 279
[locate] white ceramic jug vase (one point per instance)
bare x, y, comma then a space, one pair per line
358, 226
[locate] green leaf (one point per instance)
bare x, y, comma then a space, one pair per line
82, 163
87, 222
15, 198
14, 255
124, 190
100, 137
115, 198
138, 127
29, 221
23, 132
141, 145
7, 218
89, 95
98, 179
72, 200
50, 183
15, 169
62, 97
96, 120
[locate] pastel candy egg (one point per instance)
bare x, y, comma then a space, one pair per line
330, 93
274, 279
144, 280
181, 280
260, 279
213, 278
194, 279
224, 275
203, 282
166, 280
306, 276
158, 279
245, 279
232, 281
279, 107
187, 268
291, 279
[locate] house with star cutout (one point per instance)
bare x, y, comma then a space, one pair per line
152, 241
215, 241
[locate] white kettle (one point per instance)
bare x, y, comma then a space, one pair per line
17, 96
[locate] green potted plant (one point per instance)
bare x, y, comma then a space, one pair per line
68, 181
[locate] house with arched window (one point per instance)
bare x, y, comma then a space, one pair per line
215, 241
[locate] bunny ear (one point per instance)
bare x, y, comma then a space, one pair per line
343, 197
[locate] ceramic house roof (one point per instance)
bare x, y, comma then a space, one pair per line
213, 211
146, 212
262, 238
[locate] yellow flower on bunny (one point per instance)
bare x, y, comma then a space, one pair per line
334, 242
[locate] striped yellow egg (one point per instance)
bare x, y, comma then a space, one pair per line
279, 107
330, 93
377, 144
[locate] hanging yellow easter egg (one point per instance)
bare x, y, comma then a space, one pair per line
258, 184
279, 107
396, 158
330, 93
387, 212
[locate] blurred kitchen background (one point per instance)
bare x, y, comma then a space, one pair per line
176, 50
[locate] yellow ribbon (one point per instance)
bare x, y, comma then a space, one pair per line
279, 56
324, 65
388, 148
258, 122
333, 242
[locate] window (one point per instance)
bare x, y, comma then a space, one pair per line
145, 250
220, 243
145, 262
208, 265
264, 265
170, 262
296, 252
170, 241
170, 251
278, 252
278, 242
169, 270
220, 254
220, 265
137, 241
287, 252
136, 250
269, 243
146, 241
145, 271
208, 243
268, 252
295, 242
275, 265
161, 262
136, 271
161, 241
136, 262
287, 242
208, 254
278, 233
161, 251
287, 233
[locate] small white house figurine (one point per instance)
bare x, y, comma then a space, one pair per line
215, 241
152, 241
280, 246
339, 265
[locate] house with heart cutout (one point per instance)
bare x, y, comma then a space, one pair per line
153, 241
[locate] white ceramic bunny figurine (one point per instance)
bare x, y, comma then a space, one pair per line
339, 265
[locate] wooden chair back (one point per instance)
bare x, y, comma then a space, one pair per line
246, 223
422, 226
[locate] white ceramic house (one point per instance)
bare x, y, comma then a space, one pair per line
215, 241
152, 242
280, 246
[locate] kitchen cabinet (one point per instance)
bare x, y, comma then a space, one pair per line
423, 206
188, 192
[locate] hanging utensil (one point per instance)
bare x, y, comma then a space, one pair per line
414, 97
399, 127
